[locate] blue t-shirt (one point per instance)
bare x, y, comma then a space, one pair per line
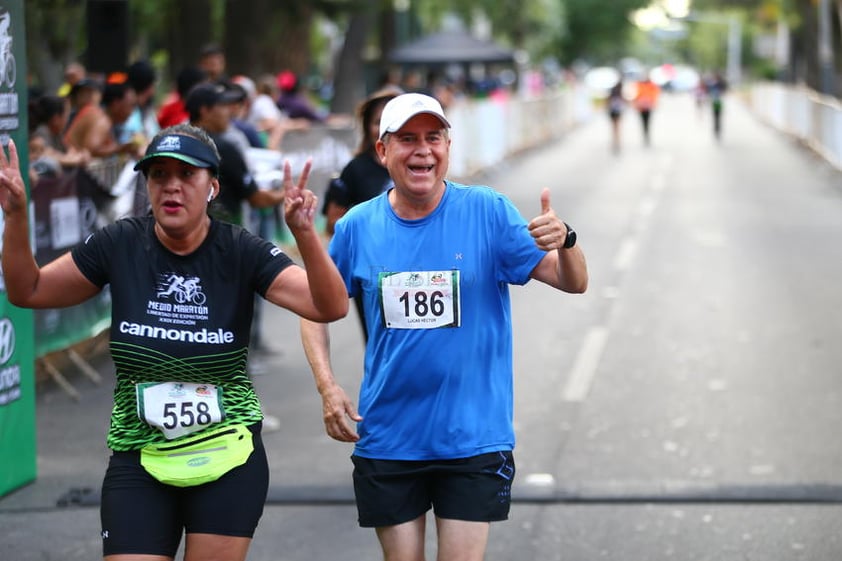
438, 370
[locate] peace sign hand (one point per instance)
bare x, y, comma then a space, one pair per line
12, 190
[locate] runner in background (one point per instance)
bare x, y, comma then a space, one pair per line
645, 101
616, 103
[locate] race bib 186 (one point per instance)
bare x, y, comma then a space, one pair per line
420, 299
179, 408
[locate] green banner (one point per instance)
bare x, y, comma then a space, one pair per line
17, 376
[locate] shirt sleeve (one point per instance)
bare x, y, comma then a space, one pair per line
518, 255
92, 255
267, 259
341, 250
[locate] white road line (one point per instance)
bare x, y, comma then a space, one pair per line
626, 254
581, 377
646, 208
659, 181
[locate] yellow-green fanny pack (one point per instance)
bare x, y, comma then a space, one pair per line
200, 458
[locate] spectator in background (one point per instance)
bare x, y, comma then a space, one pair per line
84, 94
390, 78
413, 82
210, 109
73, 73
239, 111
265, 115
293, 102
261, 115
263, 112
142, 78
119, 101
47, 152
364, 177
212, 61
248, 86
172, 111
98, 128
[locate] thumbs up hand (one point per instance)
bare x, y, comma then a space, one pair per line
547, 229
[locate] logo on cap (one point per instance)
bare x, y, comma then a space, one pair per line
169, 144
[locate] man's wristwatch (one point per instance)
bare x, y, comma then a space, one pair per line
570, 238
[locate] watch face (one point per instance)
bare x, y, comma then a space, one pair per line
570, 240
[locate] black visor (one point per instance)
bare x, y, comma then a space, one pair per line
181, 147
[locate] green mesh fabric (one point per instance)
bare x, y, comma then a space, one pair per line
136, 364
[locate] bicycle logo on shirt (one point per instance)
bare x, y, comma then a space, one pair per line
183, 289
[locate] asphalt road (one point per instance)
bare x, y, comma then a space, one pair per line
686, 407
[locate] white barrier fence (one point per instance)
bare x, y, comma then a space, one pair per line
487, 131
813, 118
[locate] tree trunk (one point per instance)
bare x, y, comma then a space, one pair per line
189, 31
348, 84
289, 47
805, 46
52, 40
249, 35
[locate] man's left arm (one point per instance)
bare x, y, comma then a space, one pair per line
564, 266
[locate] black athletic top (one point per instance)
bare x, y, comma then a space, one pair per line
179, 318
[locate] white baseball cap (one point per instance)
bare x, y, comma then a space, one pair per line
404, 107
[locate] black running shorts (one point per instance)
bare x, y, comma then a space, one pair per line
391, 492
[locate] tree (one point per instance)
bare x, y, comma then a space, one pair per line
54, 38
348, 88
188, 26
802, 18
597, 30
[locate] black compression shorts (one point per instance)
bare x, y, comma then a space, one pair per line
141, 515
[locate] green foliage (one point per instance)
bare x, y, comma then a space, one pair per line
764, 70
707, 45
56, 24
533, 25
597, 30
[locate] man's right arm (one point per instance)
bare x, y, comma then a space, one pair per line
337, 408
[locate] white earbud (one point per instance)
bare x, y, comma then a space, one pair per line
210, 195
